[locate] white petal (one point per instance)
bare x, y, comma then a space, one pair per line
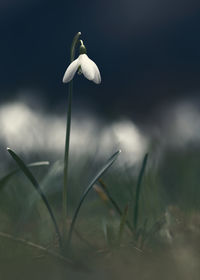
97, 76
71, 70
87, 66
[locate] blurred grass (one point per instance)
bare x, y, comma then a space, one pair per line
168, 240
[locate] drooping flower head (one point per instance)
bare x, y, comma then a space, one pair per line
84, 65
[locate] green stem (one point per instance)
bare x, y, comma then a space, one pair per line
73, 46
66, 159
67, 142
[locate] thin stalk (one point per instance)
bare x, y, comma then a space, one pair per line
138, 190
66, 160
35, 246
67, 143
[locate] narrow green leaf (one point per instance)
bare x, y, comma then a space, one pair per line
122, 224
114, 203
87, 190
5, 178
138, 189
36, 185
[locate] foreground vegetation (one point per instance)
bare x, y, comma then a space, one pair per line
110, 239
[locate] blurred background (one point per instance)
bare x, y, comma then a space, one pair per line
147, 52
148, 56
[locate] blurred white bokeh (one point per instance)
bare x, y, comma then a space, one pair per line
27, 130
181, 124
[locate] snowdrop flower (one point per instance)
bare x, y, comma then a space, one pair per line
84, 65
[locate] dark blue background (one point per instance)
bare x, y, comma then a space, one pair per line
148, 52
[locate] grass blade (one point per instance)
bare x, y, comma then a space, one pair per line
138, 189
36, 185
5, 178
114, 203
122, 224
36, 246
87, 190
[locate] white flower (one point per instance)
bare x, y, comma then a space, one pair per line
86, 66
